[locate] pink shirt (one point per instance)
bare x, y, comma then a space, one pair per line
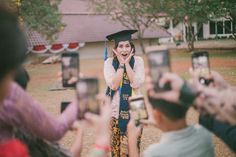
20, 110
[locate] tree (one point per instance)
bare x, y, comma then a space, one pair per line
227, 9
141, 14
130, 13
39, 15
188, 11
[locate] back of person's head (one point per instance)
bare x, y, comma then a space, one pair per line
22, 77
172, 111
12, 42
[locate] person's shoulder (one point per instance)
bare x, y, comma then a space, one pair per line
14, 91
108, 60
199, 127
202, 133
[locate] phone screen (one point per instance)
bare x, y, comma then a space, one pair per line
158, 64
138, 108
86, 91
64, 105
201, 67
70, 67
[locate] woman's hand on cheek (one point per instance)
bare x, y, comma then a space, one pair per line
130, 55
119, 57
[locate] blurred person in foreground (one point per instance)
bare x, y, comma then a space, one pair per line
178, 138
216, 103
13, 148
101, 124
17, 108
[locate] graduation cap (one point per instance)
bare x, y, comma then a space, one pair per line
124, 35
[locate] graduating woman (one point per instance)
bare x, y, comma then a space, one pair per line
124, 75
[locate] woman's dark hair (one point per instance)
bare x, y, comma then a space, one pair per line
131, 44
22, 77
12, 42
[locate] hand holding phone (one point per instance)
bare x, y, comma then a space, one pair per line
159, 63
201, 66
86, 91
70, 68
138, 108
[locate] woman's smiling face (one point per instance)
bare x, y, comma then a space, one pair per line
124, 48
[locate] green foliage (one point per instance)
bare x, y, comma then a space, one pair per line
130, 13
227, 9
142, 14
39, 15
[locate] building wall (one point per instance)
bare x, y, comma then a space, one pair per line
180, 29
206, 31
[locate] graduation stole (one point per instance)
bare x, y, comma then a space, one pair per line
125, 91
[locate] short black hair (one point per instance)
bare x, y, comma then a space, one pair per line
13, 45
171, 110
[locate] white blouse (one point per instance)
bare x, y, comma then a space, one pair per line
109, 73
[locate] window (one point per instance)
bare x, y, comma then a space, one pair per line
212, 27
228, 27
220, 27
234, 26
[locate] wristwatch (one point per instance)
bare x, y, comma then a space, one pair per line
121, 66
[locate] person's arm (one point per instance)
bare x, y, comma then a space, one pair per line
224, 131
130, 72
133, 134
221, 103
76, 148
112, 77
101, 124
29, 116
117, 79
137, 75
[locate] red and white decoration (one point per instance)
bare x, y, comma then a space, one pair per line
38, 44
56, 48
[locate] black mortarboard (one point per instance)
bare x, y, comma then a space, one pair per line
121, 35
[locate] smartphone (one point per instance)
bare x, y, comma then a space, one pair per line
138, 108
201, 66
64, 105
70, 67
86, 91
159, 63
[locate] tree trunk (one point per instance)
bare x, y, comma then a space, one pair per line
142, 46
140, 40
191, 37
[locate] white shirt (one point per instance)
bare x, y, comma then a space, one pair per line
193, 141
109, 73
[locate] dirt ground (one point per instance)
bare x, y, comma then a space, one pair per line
44, 77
